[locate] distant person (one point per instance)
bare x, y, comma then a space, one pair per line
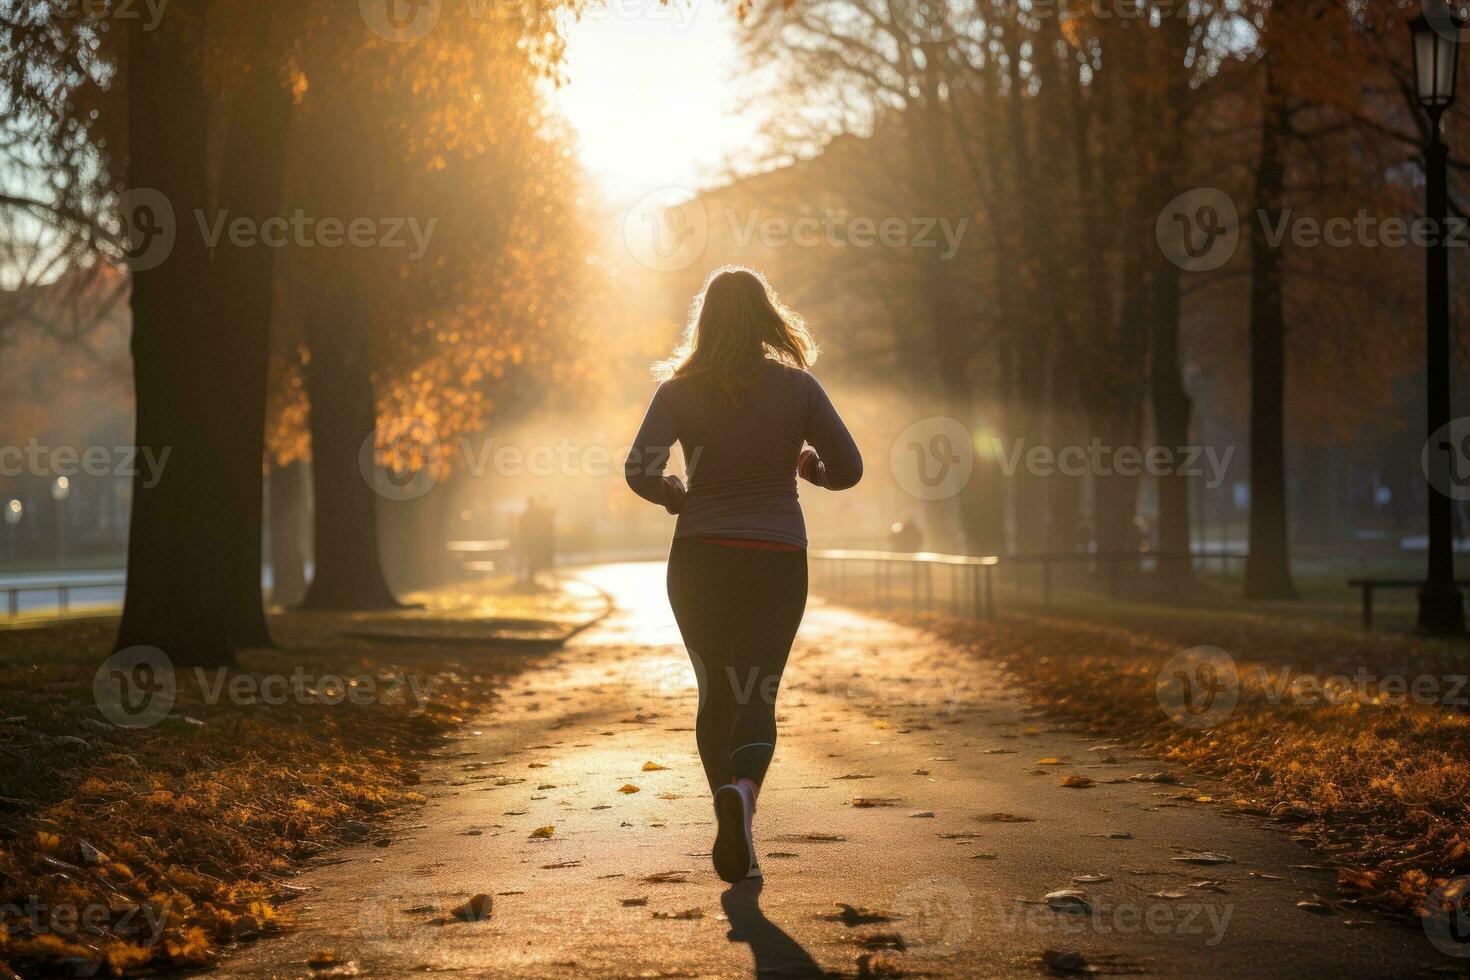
535, 539
740, 402
545, 541
906, 537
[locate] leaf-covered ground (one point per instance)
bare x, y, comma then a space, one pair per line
129, 849
1357, 743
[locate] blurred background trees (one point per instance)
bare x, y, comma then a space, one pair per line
1039, 152
1062, 135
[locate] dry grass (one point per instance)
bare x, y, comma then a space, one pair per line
134, 849
1376, 778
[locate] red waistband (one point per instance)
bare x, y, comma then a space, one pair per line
755, 543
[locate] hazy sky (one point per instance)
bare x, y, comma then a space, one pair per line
651, 92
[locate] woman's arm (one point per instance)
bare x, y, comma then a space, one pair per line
644, 468
836, 464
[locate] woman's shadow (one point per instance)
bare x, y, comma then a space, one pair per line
776, 953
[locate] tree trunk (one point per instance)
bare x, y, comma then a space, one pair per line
1268, 569
1172, 408
348, 571
251, 185
194, 547
287, 532
180, 585
1171, 404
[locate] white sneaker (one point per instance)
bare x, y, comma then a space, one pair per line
734, 850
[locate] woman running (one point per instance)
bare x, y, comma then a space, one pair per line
750, 419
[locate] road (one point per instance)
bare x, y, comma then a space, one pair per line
946, 877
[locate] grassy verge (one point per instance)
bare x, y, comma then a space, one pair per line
1358, 744
128, 849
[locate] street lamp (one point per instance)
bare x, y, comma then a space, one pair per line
1436, 58
60, 490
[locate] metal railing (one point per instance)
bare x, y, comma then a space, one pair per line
967, 582
64, 590
843, 573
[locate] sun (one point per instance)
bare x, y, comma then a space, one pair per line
652, 90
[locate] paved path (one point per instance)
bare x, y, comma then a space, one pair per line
870, 711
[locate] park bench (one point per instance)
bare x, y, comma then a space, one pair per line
1368, 585
481, 556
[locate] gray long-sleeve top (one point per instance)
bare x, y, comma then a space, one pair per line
741, 460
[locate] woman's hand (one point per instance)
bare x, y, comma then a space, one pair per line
809, 467
674, 494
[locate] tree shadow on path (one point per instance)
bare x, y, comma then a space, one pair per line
776, 953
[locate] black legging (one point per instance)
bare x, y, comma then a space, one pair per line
738, 610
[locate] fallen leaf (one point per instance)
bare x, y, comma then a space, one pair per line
1068, 900
1205, 857
653, 767
628, 788
852, 915
542, 833
477, 909
667, 878
1066, 961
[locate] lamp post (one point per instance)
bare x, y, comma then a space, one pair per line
60, 490
1436, 57
14, 510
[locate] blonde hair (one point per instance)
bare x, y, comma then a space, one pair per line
735, 323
